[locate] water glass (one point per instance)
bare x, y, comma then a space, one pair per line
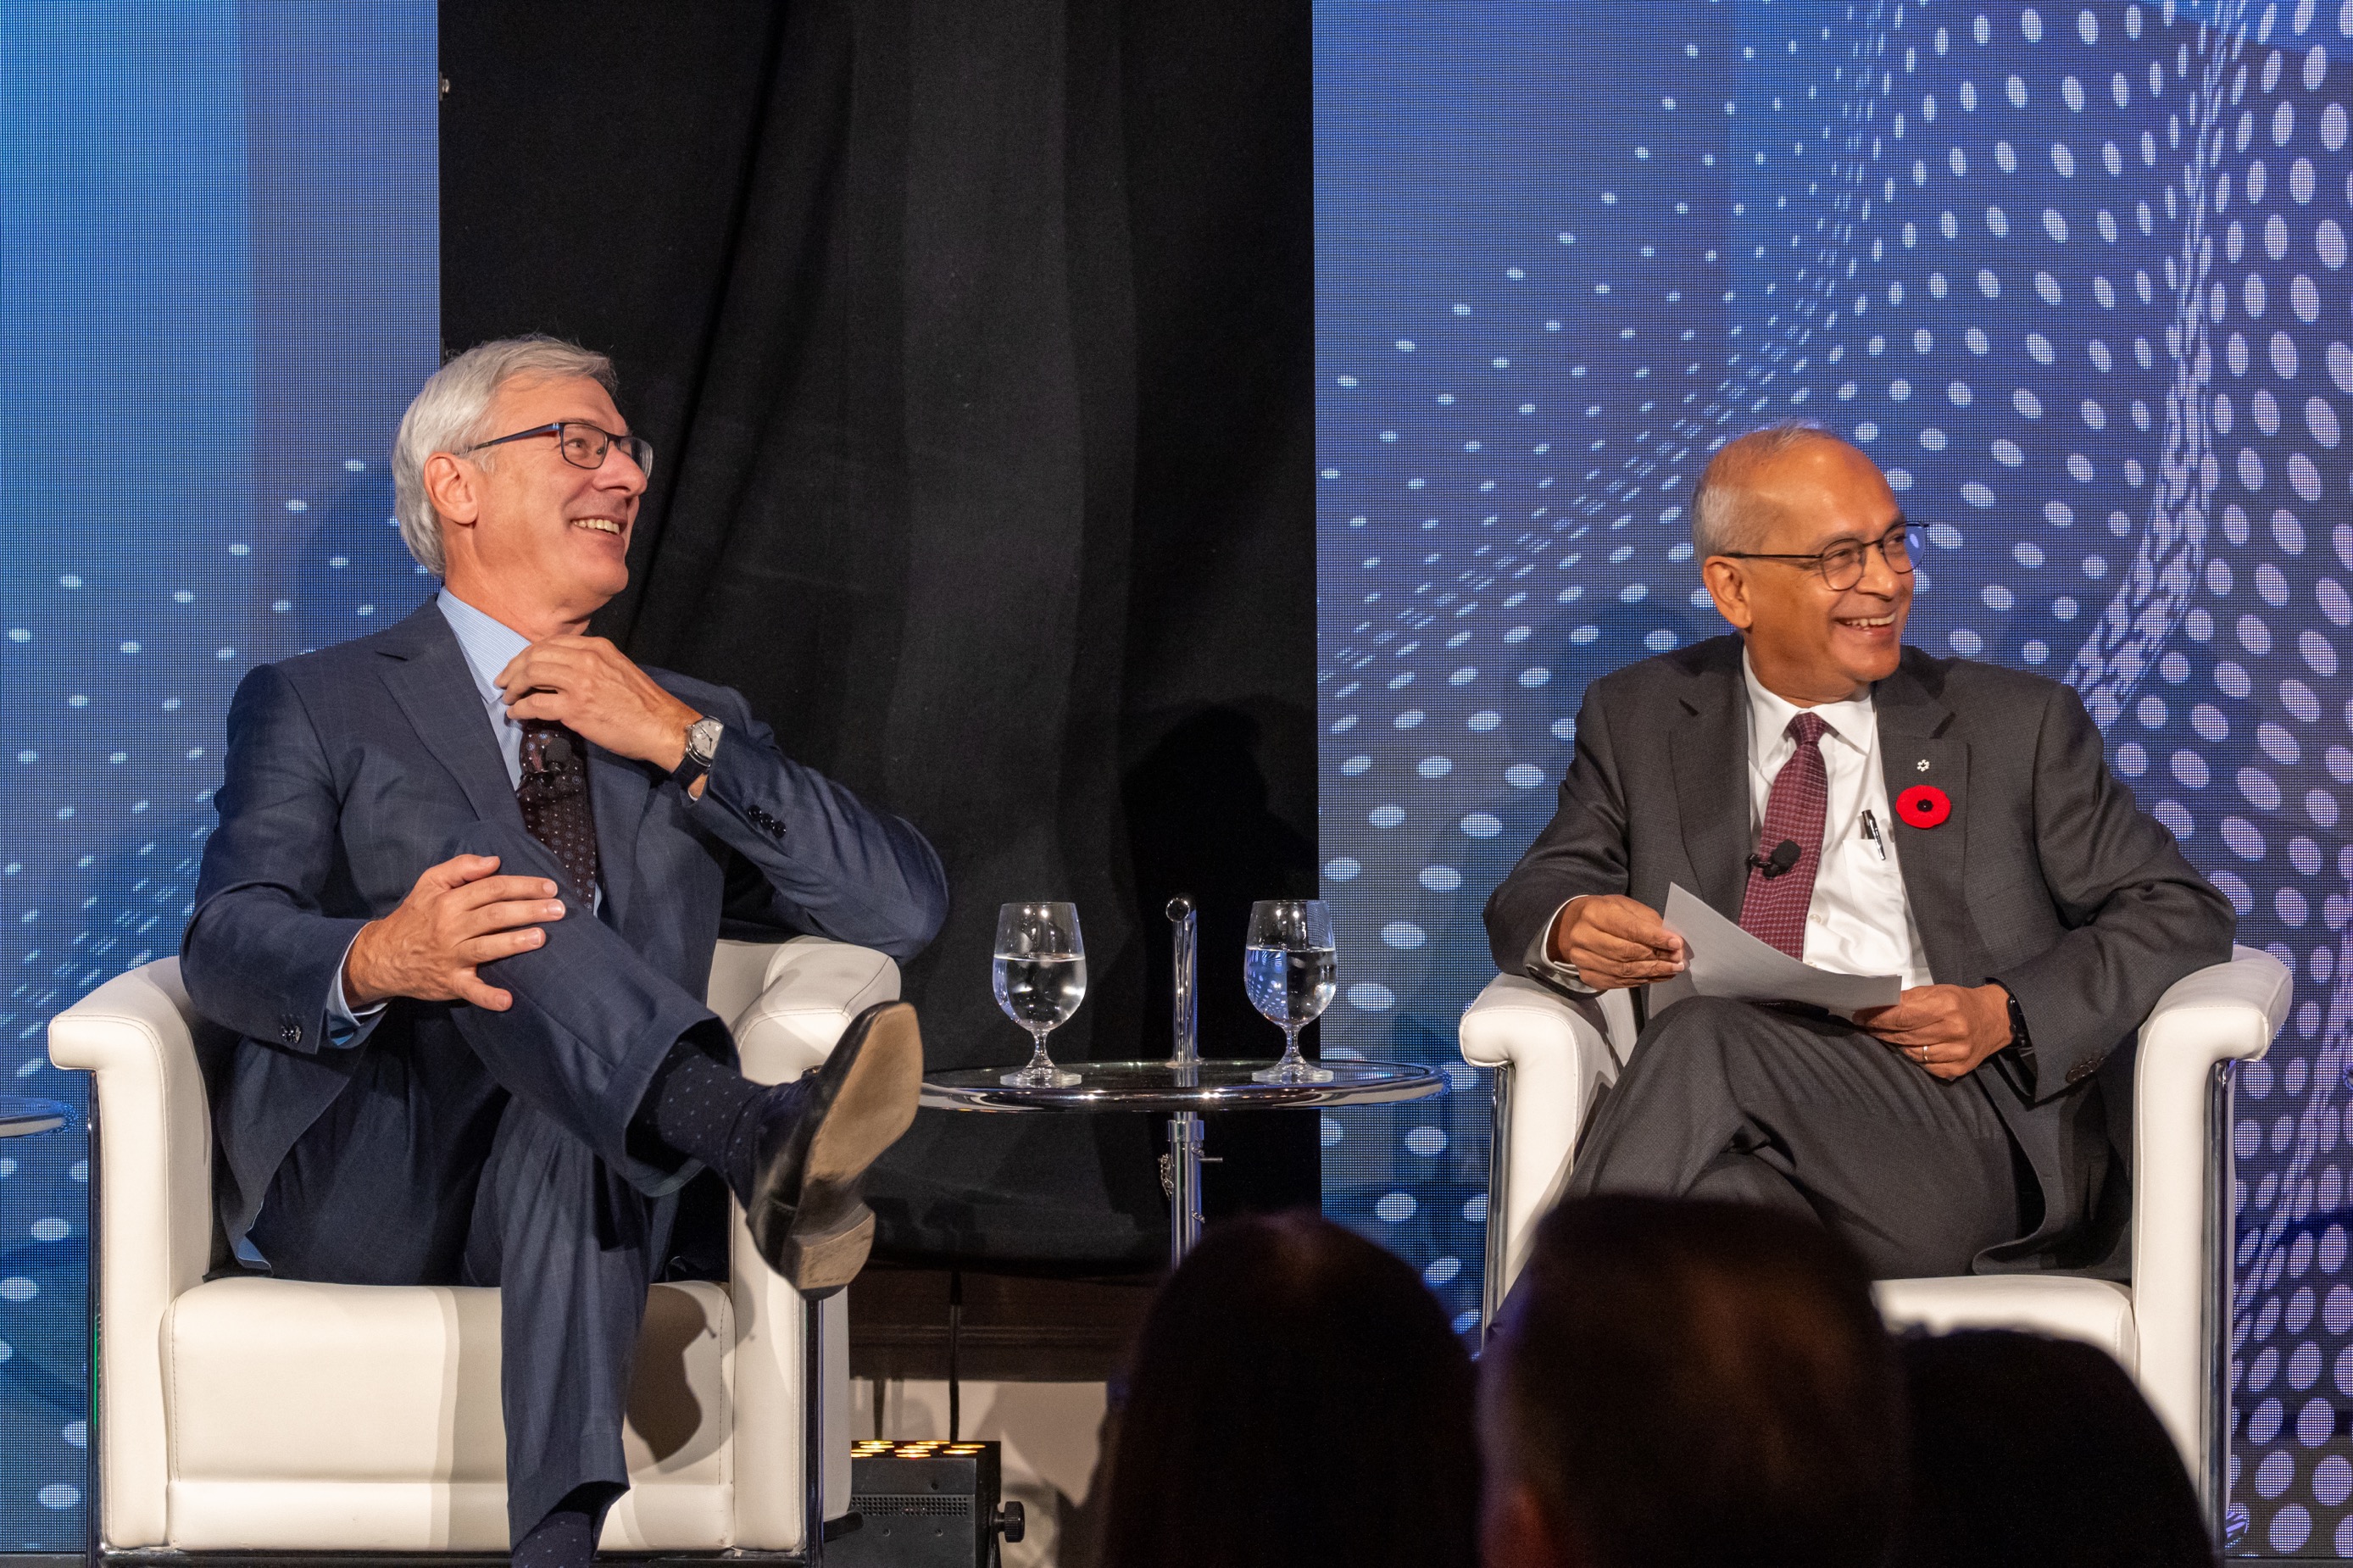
1291, 970
1040, 976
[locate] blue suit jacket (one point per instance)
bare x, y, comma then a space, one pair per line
353, 769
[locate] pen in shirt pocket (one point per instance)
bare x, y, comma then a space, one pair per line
1871, 831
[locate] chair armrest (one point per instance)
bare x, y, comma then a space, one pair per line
2226, 1012
1558, 1058
739, 972
153, 1157
812, 988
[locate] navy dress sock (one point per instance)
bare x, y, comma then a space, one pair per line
566, 1538
709, 1112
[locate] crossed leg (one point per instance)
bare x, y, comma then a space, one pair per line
1729, 1099
518, 1149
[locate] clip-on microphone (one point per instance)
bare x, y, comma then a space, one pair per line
1785, 855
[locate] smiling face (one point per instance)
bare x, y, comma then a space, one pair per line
1809, 643
532, 540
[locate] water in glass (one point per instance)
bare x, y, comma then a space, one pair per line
1040, 975
1290, 986
1039, 992
1290, 969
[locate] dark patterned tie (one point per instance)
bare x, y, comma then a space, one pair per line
553, 796
1774, 910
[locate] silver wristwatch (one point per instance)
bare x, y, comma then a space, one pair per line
701, 748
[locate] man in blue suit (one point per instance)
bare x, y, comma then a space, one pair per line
461, 908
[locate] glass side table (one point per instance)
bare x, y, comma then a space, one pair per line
1199, 1085
1183, 1088
1183, 1085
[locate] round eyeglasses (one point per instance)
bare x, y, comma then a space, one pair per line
584, 445
1841, 564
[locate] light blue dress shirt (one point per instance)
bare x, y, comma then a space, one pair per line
489, 646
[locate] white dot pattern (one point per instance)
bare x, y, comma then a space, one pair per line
2076, 279
125, 638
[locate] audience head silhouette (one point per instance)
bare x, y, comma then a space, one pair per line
2027, 1450
1295, 1398
1676, 1385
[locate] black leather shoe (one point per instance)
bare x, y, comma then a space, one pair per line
806, 1214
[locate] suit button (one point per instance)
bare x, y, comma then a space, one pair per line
2081, 1071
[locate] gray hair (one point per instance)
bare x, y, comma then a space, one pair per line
1723, 517
447, 415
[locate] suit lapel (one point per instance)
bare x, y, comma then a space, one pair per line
426, 670
1710, 747
1914, 748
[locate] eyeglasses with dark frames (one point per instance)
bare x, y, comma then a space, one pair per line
1841, 564
582, 445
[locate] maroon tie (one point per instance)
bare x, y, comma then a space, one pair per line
1774, 910
553, 796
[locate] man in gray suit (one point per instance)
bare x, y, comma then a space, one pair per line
1870, 809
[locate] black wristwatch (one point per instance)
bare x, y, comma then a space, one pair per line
702, 748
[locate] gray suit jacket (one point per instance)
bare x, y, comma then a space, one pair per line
2046, 878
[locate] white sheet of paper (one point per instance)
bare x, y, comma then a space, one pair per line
1728, 961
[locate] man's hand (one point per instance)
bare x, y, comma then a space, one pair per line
458, 916
1614, 942
1947, 1029
589, 686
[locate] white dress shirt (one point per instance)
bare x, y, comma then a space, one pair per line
1860, 920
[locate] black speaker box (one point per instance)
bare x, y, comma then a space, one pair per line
925, 1505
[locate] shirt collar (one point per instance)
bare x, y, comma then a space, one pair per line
488, 644
1769, 715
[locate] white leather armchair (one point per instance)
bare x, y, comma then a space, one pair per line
2168, 1327
256, 1413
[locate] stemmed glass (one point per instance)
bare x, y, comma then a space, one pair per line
1039, 977
1291, 970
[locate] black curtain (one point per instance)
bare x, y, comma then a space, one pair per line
975, 339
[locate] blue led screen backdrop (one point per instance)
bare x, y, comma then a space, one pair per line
2073, 275
219, 285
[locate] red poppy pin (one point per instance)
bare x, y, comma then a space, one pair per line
1922, 806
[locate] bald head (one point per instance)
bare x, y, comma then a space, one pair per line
1679, 1385
1732, 508
1792, 494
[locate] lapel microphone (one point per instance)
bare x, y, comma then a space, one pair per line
1785, 855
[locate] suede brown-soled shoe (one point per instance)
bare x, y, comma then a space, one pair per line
805, 1210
